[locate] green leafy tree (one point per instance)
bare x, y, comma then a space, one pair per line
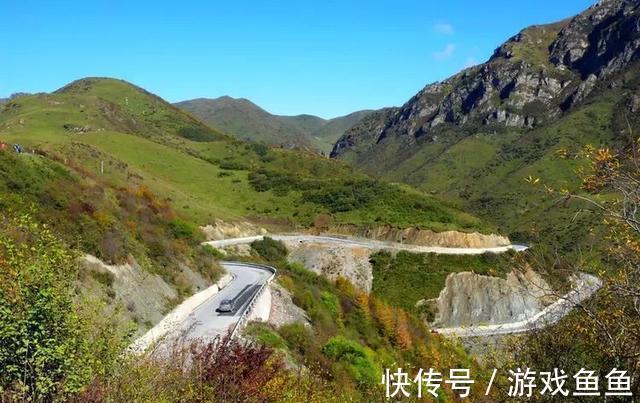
45, 351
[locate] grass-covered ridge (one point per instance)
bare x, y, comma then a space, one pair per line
113, 224
126, 136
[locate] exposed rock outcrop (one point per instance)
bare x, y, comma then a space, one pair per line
145, 296
531, 79
473, 299
335, 261
283, 310
224, 230
416, 236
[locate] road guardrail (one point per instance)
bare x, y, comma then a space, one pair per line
249, 306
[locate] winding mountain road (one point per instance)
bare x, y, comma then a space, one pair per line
368, 243
200, 320
205, 321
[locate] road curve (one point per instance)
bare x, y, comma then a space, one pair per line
203, 321
367, 243
585, 286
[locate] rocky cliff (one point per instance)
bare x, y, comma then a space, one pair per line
417, 236
532, 79
473, 299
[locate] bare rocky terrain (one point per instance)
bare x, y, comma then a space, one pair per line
144, 296
473, 299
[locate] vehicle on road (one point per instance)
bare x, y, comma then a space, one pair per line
226, 305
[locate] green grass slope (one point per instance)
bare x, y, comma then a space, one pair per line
129, 137
245, 120
487, 172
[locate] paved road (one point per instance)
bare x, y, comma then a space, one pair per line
200, 319
205, 321
586, 285
367, 243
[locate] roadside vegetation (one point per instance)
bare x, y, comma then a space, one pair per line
114, 224
404, 278
604, 332
352, 336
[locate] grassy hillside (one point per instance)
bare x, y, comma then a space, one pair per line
126, 136
493, 173
405, 278
116, 172
245, 120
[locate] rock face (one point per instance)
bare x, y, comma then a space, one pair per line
335, 261
472, 299
224, 230
283, 310
146, 296
532, 79
416, 236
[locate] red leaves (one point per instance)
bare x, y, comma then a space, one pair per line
235, 370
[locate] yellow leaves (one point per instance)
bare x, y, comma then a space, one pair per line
588, 150
102, 218
548, 189
562, 153
603, 154
532, 180
402, 335
362, 300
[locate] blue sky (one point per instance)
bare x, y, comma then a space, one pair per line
320, 57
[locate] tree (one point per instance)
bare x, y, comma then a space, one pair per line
402, 335
45, 353
605, 331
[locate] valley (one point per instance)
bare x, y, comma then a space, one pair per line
210, 250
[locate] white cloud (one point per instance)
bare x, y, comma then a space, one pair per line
471, 61
445, 53
443, 28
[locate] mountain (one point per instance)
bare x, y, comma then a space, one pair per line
246, 120
120, 174
100, 237
545, 93
131, 137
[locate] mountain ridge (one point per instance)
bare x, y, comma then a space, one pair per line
244, 119
548, 91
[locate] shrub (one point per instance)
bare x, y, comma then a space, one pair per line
358, 361
211, 251
270, 249
197, 134
45, 349
332, 302
182, 230
298, 337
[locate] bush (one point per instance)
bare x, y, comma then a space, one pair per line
183, 230
46, 352
298, 337
358, 361
197, 134
270, 249
213, 252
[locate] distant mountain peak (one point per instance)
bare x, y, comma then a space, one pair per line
532, 79
244, 119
